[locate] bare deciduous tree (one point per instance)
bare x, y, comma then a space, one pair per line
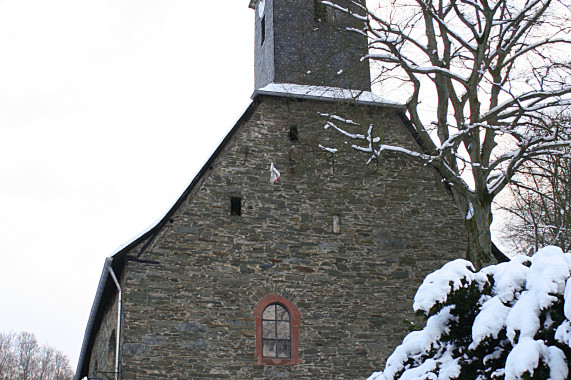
62, 368
540, 205
6, 354
46, 365
481, 76
27, 350
22, 358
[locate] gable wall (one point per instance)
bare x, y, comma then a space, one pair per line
102, 359
190, 316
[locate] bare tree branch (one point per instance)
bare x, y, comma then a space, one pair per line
491, 73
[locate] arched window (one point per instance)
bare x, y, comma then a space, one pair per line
277, 330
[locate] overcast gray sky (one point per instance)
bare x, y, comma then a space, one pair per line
107, 110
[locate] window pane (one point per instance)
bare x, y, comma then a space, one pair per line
269, 348
269, 330
281, 313
283, 330
270, 312
284, 349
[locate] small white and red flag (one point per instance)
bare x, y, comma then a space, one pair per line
274, 173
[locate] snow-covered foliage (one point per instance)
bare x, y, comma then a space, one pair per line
507, 321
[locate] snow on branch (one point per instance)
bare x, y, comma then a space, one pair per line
330, 150
346, 10
481, 82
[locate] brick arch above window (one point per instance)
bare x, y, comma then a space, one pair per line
294, 320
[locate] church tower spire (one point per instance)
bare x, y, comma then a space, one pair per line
306, 42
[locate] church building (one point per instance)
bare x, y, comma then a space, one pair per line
288, 255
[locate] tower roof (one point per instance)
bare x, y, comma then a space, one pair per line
253, 4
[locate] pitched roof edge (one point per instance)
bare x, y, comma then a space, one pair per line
121, 252
205, 168
322, 93
81, 366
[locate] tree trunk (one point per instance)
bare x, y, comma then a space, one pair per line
477, 220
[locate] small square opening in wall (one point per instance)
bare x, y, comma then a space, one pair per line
336, 224
293, 134
235, 206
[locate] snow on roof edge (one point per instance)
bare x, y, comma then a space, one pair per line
151, 226
324, 93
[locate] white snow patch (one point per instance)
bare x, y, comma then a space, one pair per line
545, 278
261, 7
435, 327
509, 278
548, 274
567, 306
524, 357
436, 286
558, 368
410, 346
563, 333
321, 92
330, 150
489, 321
470, 213
523, 317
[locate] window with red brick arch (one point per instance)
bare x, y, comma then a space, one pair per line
277, 330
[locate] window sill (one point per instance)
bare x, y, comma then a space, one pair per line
275, 361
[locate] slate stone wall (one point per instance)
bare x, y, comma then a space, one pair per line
264, 68
298, 49
102, 363
190, 315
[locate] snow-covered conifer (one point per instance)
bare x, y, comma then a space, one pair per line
507, 321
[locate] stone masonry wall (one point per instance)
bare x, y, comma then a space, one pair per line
190, 315
102, 363
298, 49
264, 68
319, 53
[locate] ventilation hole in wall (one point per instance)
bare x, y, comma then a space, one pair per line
263, 30
336, 224
293, 134
235, 206
319, 11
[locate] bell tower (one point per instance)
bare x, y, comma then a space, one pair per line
305, 42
